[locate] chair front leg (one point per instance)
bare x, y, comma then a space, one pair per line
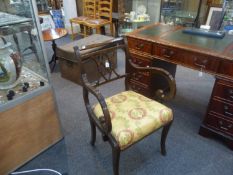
115, 159
98, 30
72, 30
163, 138
93, 132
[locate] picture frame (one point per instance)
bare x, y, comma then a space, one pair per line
214, 18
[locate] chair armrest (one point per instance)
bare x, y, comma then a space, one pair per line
102, 44
160, 93
105, 121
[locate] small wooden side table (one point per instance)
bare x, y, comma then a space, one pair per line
52, 35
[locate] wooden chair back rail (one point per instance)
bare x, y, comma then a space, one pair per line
89, 8
105, 9
112, 74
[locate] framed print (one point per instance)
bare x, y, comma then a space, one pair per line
214, 18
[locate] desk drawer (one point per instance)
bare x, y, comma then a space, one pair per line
140, 61
224, 91
168, 53
186, 58
220, 124
201, 62
140, 88
226, 68
141, 77
139, 45
222, 108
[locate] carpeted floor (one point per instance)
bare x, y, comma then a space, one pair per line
188, 152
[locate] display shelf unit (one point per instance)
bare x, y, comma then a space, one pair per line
29, 121
134, 14
183, 12
42, 6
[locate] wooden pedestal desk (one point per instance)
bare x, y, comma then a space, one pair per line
211, 55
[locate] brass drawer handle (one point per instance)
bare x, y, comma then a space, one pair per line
228, 113
167, 53
226, 128
231, 97
201, 63
221, 126
230, 93
140, 46
226, 108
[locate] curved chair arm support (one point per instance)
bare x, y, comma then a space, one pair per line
105, 121
159, 71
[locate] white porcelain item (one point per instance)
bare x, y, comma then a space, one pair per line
141, 10
10, 65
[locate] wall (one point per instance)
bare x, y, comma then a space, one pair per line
70, 11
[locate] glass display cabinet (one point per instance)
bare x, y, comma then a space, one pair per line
134, 14
42, 6
183, 12
27, 104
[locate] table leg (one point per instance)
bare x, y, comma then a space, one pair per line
116, 28
72, 30
54, 57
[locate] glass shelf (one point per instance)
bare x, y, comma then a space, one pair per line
137, 13
183, 12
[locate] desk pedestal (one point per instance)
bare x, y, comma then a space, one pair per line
219, 116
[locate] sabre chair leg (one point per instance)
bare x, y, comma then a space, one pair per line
115, 160
163, 138
93, 133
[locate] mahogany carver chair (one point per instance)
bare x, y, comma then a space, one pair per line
104, 17
89, 12
126, 117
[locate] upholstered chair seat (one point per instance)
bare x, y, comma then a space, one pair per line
80, 19
134, 116
96, 21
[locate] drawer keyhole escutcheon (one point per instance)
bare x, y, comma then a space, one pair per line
222, 126
230, 93
200, 63
140, 46
167, 53
226, 112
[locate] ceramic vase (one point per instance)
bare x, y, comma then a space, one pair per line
10, 65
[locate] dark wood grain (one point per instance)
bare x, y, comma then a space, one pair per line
214, 56
219, 116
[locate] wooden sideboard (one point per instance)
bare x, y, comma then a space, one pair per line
169, 45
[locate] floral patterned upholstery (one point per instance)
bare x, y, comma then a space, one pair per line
134, 116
